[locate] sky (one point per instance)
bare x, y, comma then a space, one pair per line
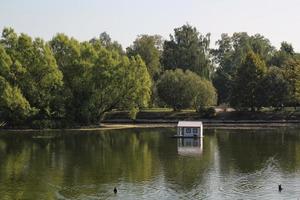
124, 20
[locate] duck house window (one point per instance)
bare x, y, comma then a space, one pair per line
195, 130
188, 130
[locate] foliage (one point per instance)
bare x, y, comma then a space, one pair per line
229, 56
123, 83
206, 94
66, 82
280, 57
105, 41
31, 77
13, 105
180, 90
207, 112
292, 75
246, 84
133, 113
188, 50
273, 90
47, 84
99, 79
149, 48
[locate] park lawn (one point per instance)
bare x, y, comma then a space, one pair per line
189, 114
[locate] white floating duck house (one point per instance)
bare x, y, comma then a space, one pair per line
189, 129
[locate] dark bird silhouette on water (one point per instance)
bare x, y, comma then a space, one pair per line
279, 188
115, 190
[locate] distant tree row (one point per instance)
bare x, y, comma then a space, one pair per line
66, 82
252, 74
181, 68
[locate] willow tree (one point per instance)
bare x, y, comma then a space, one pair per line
99, 79
185, 89
118, 82
33, 73
14, 108
73, 59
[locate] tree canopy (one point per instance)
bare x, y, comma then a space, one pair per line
30, 75
185, 89
149, 48
246, 84
229, 56
188, 49
99, 79
66, 82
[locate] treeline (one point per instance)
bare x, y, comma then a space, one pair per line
64, 82
252, 74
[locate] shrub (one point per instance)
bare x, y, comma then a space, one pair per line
208, 112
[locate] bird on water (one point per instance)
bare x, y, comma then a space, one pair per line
279, 188
115, 190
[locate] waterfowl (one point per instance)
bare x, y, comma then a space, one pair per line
279, 188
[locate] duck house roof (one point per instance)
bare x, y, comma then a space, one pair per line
189, 124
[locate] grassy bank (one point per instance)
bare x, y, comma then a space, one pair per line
287, 114
161, 117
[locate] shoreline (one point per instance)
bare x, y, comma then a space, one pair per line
208, 124
205, 121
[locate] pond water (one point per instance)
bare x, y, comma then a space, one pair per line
148, 164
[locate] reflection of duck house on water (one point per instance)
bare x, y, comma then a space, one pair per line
190, 146
189, 129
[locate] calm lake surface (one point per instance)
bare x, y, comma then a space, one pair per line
148, 164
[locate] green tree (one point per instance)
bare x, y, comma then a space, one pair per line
180, 89
188, 49
118, 83
231, 52
273, 90
288, 48
205, 95
283, 55
123, 83
105, 41
33, 72
245, 89
73, 59
149, 48
292, 75
99, 79
15, 109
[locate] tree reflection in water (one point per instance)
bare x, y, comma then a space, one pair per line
147, 163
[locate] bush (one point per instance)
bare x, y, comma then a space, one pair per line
206, 94
50, 124
208, 112
42, 124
